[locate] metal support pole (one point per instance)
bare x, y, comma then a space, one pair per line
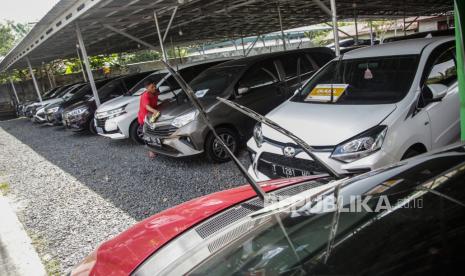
371, 33
36, 86
356, 27
160, 38
14, 90
85, 57
81, 64
140, 41
405, 29
281, 26
49, 78
335, 30
243, 46
170, 22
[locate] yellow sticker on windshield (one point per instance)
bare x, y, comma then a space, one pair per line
324, 92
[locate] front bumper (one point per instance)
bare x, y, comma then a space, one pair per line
261, 173
77, 123
176, 142
116, 127
40, 118
54, 119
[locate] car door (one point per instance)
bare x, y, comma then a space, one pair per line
444, 115
260, 88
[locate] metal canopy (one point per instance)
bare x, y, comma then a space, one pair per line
54, 37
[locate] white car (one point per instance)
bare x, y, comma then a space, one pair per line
117, 118
369, 108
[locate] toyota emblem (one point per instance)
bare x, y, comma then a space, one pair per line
289, 151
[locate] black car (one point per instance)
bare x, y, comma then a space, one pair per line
259, 82
54, 112
80, 115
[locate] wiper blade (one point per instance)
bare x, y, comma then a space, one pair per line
191, 95
262, 119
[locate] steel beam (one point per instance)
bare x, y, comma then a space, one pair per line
36, 86
253, 45
14, 90
335, 30
85, 57
160, 38
281, 25
169, 23
323, 7
123, 33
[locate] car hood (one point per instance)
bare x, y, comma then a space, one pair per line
89, 104
117, 102
127, 251
172, 109
325, 124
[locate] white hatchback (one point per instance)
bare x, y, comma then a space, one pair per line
369, 108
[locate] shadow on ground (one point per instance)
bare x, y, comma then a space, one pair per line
121, 172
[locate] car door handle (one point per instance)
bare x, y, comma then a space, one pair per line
426, 123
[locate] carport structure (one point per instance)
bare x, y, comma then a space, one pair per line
114, 26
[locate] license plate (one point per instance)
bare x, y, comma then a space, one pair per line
153, 141
288, 172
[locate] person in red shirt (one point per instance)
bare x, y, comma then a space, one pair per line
148, 104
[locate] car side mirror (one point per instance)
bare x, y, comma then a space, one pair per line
163, 89
243, 90
435, 92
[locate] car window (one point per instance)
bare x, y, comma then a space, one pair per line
112, 88
261, 74
131, 81
138, 89
444, 70
374, 80
214, 81
290, 65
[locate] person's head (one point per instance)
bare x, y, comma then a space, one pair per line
150, 86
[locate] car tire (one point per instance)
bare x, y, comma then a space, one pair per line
135, 134
92, 128
215, 152
410, 153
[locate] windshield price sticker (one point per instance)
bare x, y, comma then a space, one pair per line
322, 92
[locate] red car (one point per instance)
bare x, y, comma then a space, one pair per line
421, 232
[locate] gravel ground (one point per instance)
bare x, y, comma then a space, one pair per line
77, 190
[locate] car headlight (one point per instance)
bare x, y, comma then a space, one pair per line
184, 119
112, 113
52, 110
258, 135
361, 145
78, 111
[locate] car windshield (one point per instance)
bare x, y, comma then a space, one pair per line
375, 80
393, 222
139, 88
213, 82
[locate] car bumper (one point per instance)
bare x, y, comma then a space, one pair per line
183, 142
77, 123
116, 127
374, 161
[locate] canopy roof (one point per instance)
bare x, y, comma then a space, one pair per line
54, 37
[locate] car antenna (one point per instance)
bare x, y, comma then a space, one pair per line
262, 119
191, 95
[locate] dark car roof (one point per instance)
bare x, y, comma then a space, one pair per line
252, 59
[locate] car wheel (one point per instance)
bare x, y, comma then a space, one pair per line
410, 153
136, 132
214, 150
92, 128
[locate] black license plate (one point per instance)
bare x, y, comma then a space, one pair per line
153, 141
288, 172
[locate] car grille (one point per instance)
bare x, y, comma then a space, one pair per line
278, 166
161, 131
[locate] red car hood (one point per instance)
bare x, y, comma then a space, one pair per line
124, 253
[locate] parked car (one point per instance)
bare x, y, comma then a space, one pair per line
117, 118
54, 112
259, 82
449, 32
389, 102
80, 116
36, 109
418, 229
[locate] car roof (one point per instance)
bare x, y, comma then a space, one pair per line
187, 65
397, 48
252, 59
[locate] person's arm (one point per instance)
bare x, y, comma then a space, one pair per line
150, 109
